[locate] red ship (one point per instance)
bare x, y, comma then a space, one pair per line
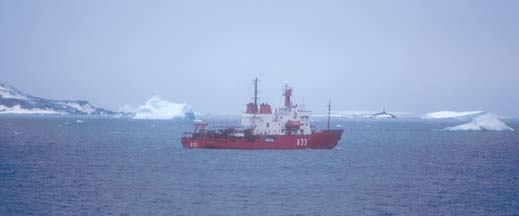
287, 128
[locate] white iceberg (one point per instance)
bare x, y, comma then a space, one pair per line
487, 122
452, 115
158, 108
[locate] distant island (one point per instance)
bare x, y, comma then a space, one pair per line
14, 101
383, 114
363, 114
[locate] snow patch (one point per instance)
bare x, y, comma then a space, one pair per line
87, 108
158, 108
451, 114
486, 122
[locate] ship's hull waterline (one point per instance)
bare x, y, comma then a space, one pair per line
324, 139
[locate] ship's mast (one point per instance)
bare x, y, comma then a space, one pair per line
329, 110
287, 93
256, 92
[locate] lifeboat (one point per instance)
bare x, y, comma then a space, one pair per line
293, 125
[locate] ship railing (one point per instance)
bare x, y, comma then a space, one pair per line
283, 111
187, 135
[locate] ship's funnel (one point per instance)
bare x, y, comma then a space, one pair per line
252, 108
265, 109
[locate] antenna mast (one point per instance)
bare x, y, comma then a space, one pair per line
329, 110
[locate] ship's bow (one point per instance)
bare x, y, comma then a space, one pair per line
325, 139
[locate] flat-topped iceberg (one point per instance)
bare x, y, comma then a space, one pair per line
487, 122
158, 108
452, 115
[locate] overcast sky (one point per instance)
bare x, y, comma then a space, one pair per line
416, 56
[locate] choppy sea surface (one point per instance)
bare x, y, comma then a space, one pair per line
62, 166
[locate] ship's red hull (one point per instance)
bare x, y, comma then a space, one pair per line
324, 139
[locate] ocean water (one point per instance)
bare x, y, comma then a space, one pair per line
60, 166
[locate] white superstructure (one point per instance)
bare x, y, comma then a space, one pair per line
291, 119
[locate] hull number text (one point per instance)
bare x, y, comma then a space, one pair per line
302, 141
